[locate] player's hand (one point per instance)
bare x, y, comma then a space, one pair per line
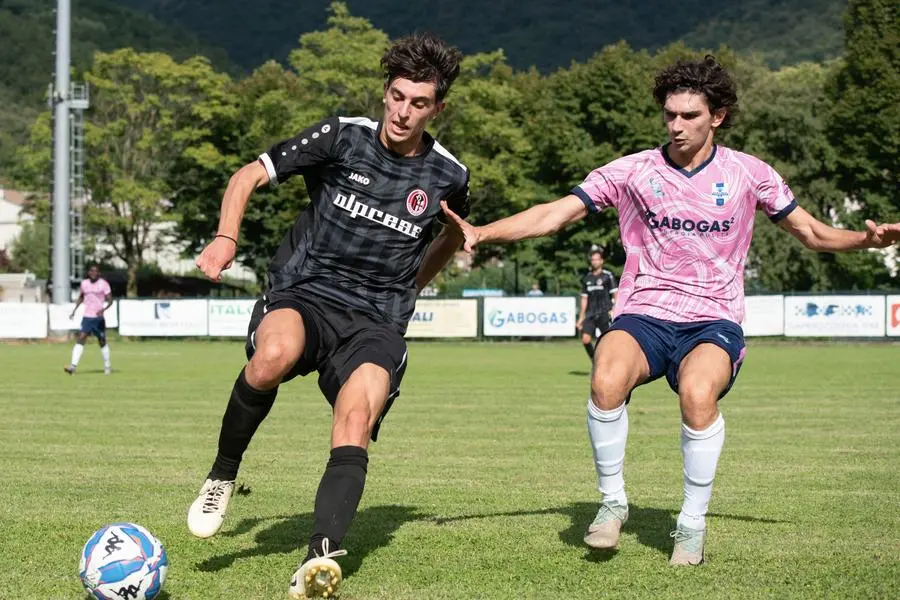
217, 257
579, 324
469, 232
882, 236
72, 316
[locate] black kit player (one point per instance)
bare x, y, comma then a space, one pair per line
342, 286
598, 296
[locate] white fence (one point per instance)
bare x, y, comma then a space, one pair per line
863, 316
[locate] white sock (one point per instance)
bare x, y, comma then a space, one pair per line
608, 430
701, 450
105, 352
76, 354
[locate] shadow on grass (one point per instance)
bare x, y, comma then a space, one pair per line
372, 528
580, 373
650, 525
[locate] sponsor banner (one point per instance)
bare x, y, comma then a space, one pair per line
834, 316
59, 316
538, 317
444, 319
482, 293
230, 317
763, 315
163, 317
893, 315
23, 320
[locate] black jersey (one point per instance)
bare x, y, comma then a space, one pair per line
362, 238
599, 290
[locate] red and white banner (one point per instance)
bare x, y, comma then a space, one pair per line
892, 323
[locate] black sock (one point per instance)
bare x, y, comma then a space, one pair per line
589, 348
338, 497
246, 409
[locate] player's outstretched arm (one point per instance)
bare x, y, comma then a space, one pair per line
220, 252
538, 221
818, 236
439, 253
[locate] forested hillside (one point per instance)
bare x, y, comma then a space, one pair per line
545, 33
27, 43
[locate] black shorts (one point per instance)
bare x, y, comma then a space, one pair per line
596, 325
339, 339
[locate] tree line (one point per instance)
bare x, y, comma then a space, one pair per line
163, 136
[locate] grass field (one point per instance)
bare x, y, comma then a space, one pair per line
480, 487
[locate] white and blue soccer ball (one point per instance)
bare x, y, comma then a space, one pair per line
123, 560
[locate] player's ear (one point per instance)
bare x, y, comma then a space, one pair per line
719, 117
438, 108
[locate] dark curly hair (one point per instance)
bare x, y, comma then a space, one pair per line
705, 77
423, 57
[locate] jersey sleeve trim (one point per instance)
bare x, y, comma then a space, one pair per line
364, 121
784, 212
585, 198
270, 168
446, 154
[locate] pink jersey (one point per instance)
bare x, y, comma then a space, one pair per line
686, 234
94, 293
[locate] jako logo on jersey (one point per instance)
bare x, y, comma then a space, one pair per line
358, 209
359, 178
720, 193
416, 202
499, 318
677, 224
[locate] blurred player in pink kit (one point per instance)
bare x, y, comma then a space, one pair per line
96, 296
686, 213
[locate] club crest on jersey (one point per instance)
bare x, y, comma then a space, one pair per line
656, 186
416, 202
720, 193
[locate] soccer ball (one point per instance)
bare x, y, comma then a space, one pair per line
123, 560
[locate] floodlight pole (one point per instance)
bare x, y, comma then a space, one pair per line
61, 292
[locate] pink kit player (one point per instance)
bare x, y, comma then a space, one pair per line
96, 296
686, 212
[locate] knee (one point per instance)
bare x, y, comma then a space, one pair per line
607, 393
271, 361
699, 403
356, 420
352, 427
585, 338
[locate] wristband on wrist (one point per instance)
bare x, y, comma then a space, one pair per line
227, 237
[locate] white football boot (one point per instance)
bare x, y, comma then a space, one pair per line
318, 577
208, 511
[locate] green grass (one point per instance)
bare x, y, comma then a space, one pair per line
480, 487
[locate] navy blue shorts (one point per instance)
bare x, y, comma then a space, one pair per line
666, 343
95, 326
